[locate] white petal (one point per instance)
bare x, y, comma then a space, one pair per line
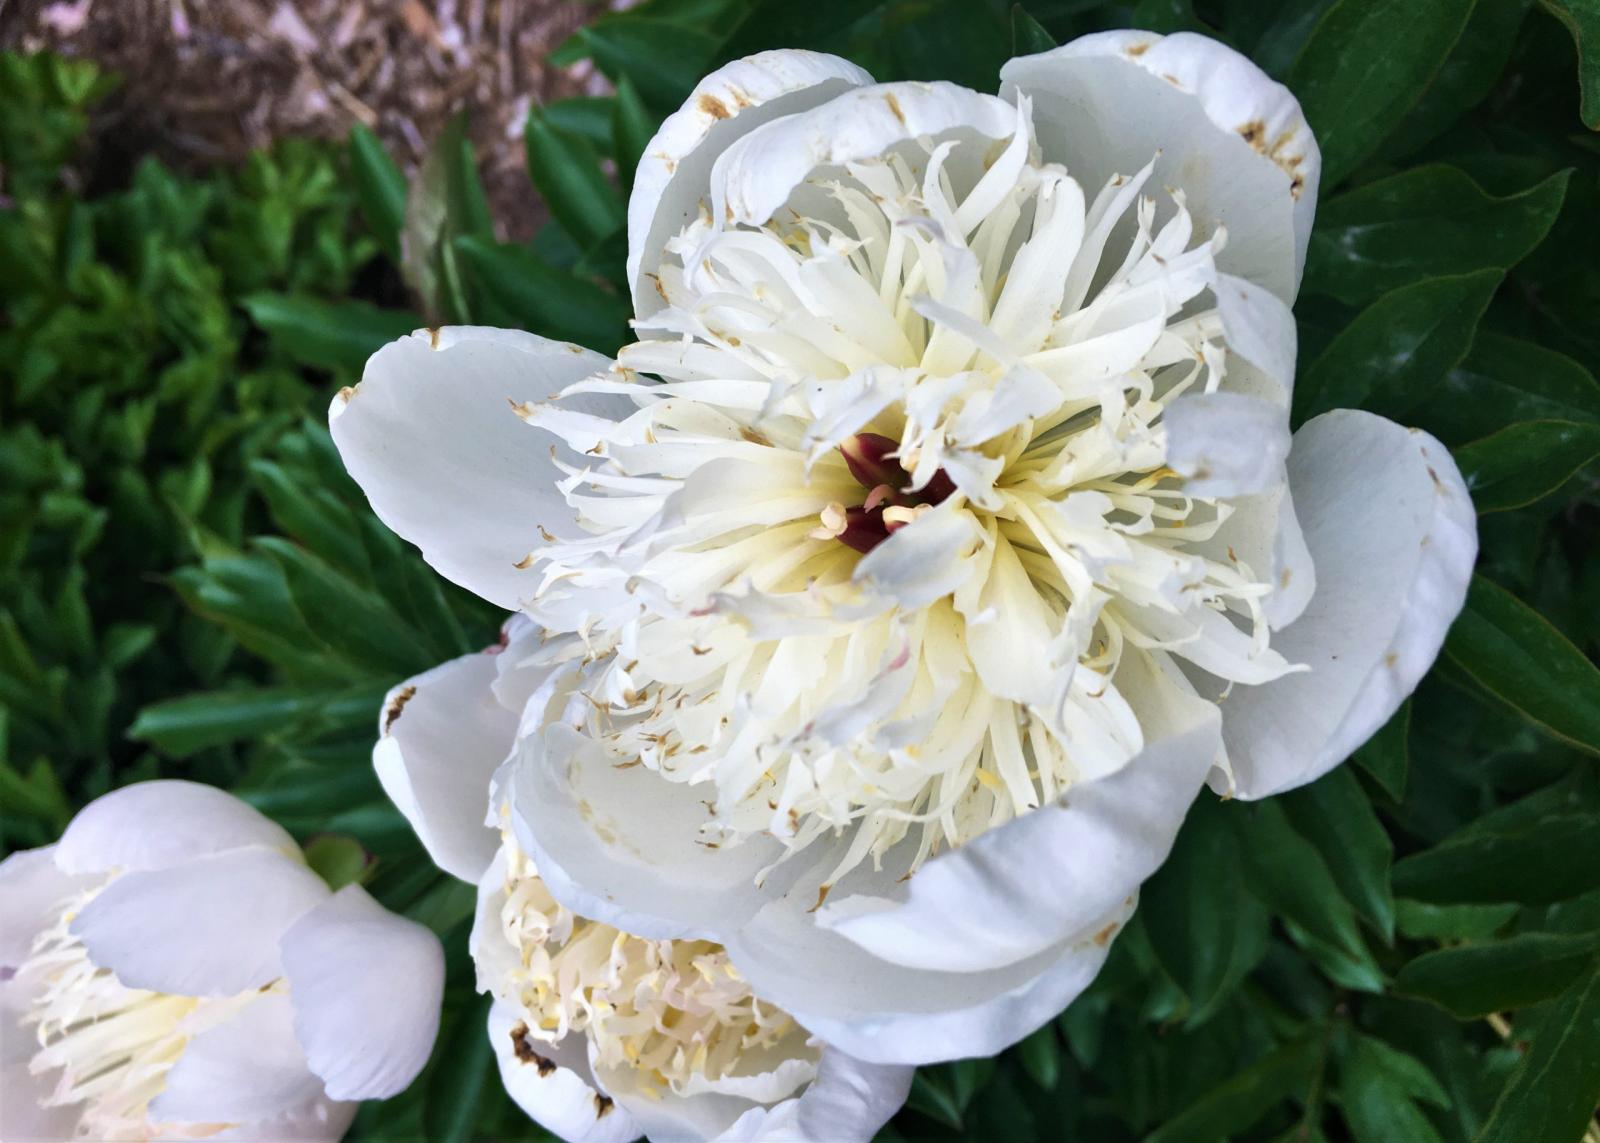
754, 177
443, 734
675, 169
891, 1014
985, 905
1392, 533
208, 927
621, 845
150, 825
1230, 137
431, 437
320, 1120
1226, 444
1259, 327
848, 1101
1264, 535
366, 986
32, 892
249, 1067
671, 1118
556, 1097
22, 1113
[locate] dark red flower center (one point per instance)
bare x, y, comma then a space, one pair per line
871, 461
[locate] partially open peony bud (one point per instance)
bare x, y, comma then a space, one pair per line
601, 1034
172, 969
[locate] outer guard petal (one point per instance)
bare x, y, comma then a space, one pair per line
208, 927
431, 437
442, 735
555, 1096
151, 825
1233, 139
366, 987
675, 170
1392, 533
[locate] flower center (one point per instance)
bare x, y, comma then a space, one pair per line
960, 333
675, 1015
891, 501
111, 1045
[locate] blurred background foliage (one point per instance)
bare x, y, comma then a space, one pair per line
1407, 950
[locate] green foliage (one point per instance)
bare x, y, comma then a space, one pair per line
1406, 949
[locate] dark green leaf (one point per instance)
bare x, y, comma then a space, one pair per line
1525, 462
1550, 859
1504, 380
1421, 921
327, 335
632, 125
1244, 1099
1466, 78
1205, 929
1288, 873
1385, 756
1552, 1095
546, 300
380, 188
1472, 981
1582, 19
1395, 353
568, 174
1365, 66
1427, 222
663, 58
1028, 36
1335, 815
182, 726
1515, 654
463, 1066
1041, 1057
1378, 1089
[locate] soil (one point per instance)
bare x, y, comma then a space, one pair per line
206, 81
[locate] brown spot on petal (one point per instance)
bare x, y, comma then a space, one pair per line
433, 337
602, 1105
1103, 937
523, 1047
894, 107
396, 705
1255, 133
822, 895
1172, 79
1283, 580
1296, 185
347, 394
713, 107
1136, 50
1391, 659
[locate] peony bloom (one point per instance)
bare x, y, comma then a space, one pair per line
172, 969
601, 1034
940, 538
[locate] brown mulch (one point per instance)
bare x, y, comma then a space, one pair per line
207, 81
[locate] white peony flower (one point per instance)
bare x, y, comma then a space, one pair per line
600, 1034
939, 538
172, 969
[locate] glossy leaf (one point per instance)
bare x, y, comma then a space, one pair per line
1243, 1099
1549, 859
1379, 1089
1471, 981
1365, 66
1515, 654
1553, 1094
1206, 930
1334, 814
1397, 351
1504, 380
1386, 755
545, 300
1424, 223
568, 174
327, 335
1525, 462
380, 188
1582, 19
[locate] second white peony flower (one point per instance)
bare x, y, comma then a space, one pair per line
888, 602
